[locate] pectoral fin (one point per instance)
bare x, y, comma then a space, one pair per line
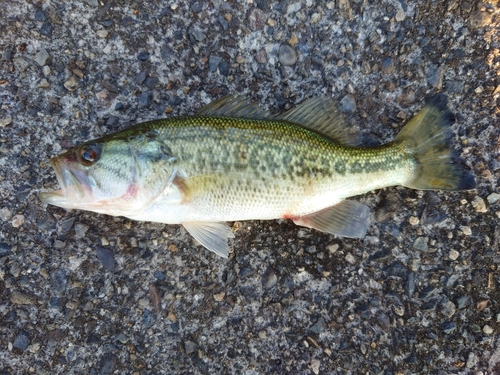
345, 219
212, 235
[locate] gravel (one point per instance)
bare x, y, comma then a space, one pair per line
83, 293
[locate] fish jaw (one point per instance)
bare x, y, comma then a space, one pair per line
75, 191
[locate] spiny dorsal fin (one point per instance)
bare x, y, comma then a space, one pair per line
323, 116
234, 106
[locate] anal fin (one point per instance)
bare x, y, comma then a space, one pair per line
345, 219
212, 235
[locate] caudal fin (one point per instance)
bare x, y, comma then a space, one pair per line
428, 138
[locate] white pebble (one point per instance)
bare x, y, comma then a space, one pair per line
453, 255
487, 329
466, 230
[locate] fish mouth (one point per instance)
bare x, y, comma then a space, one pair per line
75, 187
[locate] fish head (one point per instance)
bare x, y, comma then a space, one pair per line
109, 177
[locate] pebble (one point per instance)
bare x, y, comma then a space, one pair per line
315, 365
319, 326
480, 19
5, 214
287, 55
453, 254
448, 309
92, 3
107, 364
219, 296
466, 230
261, 56
414, 264
103, 33
350, 259
435, 76
147, 319
493, 198
256, 19
410, 284
40, 16
21, 341
4, 249
106, 257
455, 87
46, 29
478, 204
413, 220
348, 103
20, 64
64, 225
224, 68
18, 220
58, 281
143, 56
449, 327
213, 62
18, 298
269, 278
387, 65
463, 302
44, 84
71, 84
190, 347
421, 243
80, 230
42, 57
472, 360
198, 35
4, 121
487, 329
144, 99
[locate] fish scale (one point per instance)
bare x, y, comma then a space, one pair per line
236, 161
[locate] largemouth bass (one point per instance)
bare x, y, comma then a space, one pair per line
235, 161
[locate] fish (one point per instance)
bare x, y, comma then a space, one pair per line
235, 161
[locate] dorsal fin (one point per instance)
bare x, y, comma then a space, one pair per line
323, 116
234, 106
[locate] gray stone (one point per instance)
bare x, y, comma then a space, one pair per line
261, 56
256, 19
449, 327
21, 341
348, 103
190, 347
435, 76
213, 62
20, 64
42, 57
387, 65
4, 249
287, 55
420, 243
92, 3
319, 326
58, 281
269, 278
107, 364
80, 230
106, 257
463, 302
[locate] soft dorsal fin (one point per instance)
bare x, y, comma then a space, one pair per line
323, 116
234, 106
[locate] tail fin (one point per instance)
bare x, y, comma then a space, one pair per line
428, 137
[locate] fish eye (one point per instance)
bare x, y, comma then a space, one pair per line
88, 154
